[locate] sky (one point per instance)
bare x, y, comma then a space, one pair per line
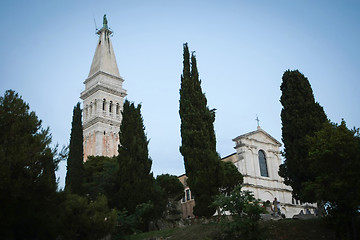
242, 49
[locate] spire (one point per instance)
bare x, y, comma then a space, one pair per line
104, 58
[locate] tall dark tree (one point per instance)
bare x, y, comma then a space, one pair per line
135, 179
301, 116
202, 163
75, 168
27, 172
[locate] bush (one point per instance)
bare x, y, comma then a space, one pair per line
245, 213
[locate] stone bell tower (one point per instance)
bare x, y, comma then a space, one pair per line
103, 100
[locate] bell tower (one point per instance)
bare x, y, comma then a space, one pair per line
103, 100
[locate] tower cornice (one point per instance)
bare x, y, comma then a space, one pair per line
100, 87
104, 73
97, 119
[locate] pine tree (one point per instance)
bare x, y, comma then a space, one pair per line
27, 172
75, 168
135, 179
301, 116
198, 147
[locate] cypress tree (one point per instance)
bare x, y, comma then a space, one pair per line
301, 116
202, 163
135, 179
75, 168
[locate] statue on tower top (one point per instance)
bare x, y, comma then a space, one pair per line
105, 28
105, 22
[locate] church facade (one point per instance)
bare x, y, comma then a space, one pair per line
103, 100
258, 158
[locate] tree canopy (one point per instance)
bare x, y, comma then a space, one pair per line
27, 171
230, 177
198, 146
301, 116
84, 219
334, 155
100, 178
171, 185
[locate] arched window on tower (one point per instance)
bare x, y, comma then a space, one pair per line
117, 109
86, 111
103, 107
263, 165
91, 109
110, 106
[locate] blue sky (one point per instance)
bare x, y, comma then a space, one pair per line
242, 49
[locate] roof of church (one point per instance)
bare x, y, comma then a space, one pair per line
259, 130
104, 58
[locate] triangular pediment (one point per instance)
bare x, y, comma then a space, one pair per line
260, 136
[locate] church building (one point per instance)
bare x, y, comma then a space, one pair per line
103, 100
257, 158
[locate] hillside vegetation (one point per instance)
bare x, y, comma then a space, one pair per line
288, 229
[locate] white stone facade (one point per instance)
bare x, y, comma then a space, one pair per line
266, 184
103, 100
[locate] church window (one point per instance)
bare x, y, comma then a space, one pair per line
263, 165
187, 194
103, 107
110, 106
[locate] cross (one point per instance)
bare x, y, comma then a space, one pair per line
257, 119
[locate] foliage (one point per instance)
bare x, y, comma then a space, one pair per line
135, 222
75, 168
230, 177
82, 219
171, 191
334, 154
135, 181
27, 172
245, 211
171, 185
301, 116
100, 176
202, 163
